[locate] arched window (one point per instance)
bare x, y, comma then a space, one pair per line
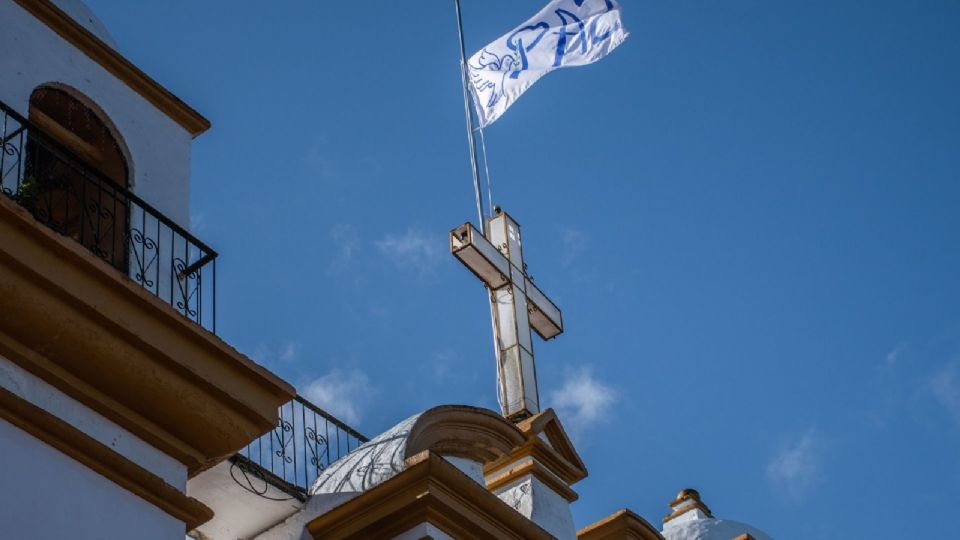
76, 175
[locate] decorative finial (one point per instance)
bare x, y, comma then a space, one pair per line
687, 493
687, 500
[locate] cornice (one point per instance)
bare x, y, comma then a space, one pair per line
101, 459
74, 321
621, 525
431, 491
124, 70
463, 431
542, 452
550, 426
534, 468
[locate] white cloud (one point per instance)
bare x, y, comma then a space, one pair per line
346, 244
582, 400
945, 386
796, 468
287, 351
343, 394
574, 244
893, 357
412, 250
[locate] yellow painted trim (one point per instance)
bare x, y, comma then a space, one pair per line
540, 451
430, 490
621, 525
117, 65
74, 321
687, 495
549, 424
463, 431
534, 468
681, 511
101, 459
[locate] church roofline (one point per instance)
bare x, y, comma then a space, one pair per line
464, 431
558, 455
461, 431
621, 524
548, 423
430, 490
102, 53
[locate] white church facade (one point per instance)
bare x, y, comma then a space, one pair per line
123, 415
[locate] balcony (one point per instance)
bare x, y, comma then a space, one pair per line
76, 200
112, 303
305, 441
269, 480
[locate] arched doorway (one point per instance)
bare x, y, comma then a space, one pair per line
76, 175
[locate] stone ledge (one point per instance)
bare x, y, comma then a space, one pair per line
74, 321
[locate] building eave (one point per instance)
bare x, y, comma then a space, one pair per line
433, 491
621, 525
87, 329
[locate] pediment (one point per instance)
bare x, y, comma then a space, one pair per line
546, 427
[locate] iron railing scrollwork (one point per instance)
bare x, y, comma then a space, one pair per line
65, 193
306, 441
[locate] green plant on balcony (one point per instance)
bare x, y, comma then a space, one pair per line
28, 192
48, 198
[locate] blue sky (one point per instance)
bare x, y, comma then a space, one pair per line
748, 213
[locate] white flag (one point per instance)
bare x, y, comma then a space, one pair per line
565, 33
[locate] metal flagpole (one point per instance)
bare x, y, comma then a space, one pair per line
486, 171
474, 164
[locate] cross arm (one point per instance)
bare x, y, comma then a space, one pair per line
480, 256
493, 268
545, 317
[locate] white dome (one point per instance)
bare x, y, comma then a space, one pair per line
79, 12
712, 529
691, 519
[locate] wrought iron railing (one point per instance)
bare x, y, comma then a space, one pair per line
73, 198
306, 441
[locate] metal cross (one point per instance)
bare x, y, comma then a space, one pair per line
497, 260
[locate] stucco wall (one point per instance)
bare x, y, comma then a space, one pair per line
51, 496
159, 148
535, 500
55, 402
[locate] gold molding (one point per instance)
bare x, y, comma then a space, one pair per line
681, 511
74, 321
124, 70
540, 451
101, 459
549, 424
621, 525
433, 491
463, 431
534, 468
687, 494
